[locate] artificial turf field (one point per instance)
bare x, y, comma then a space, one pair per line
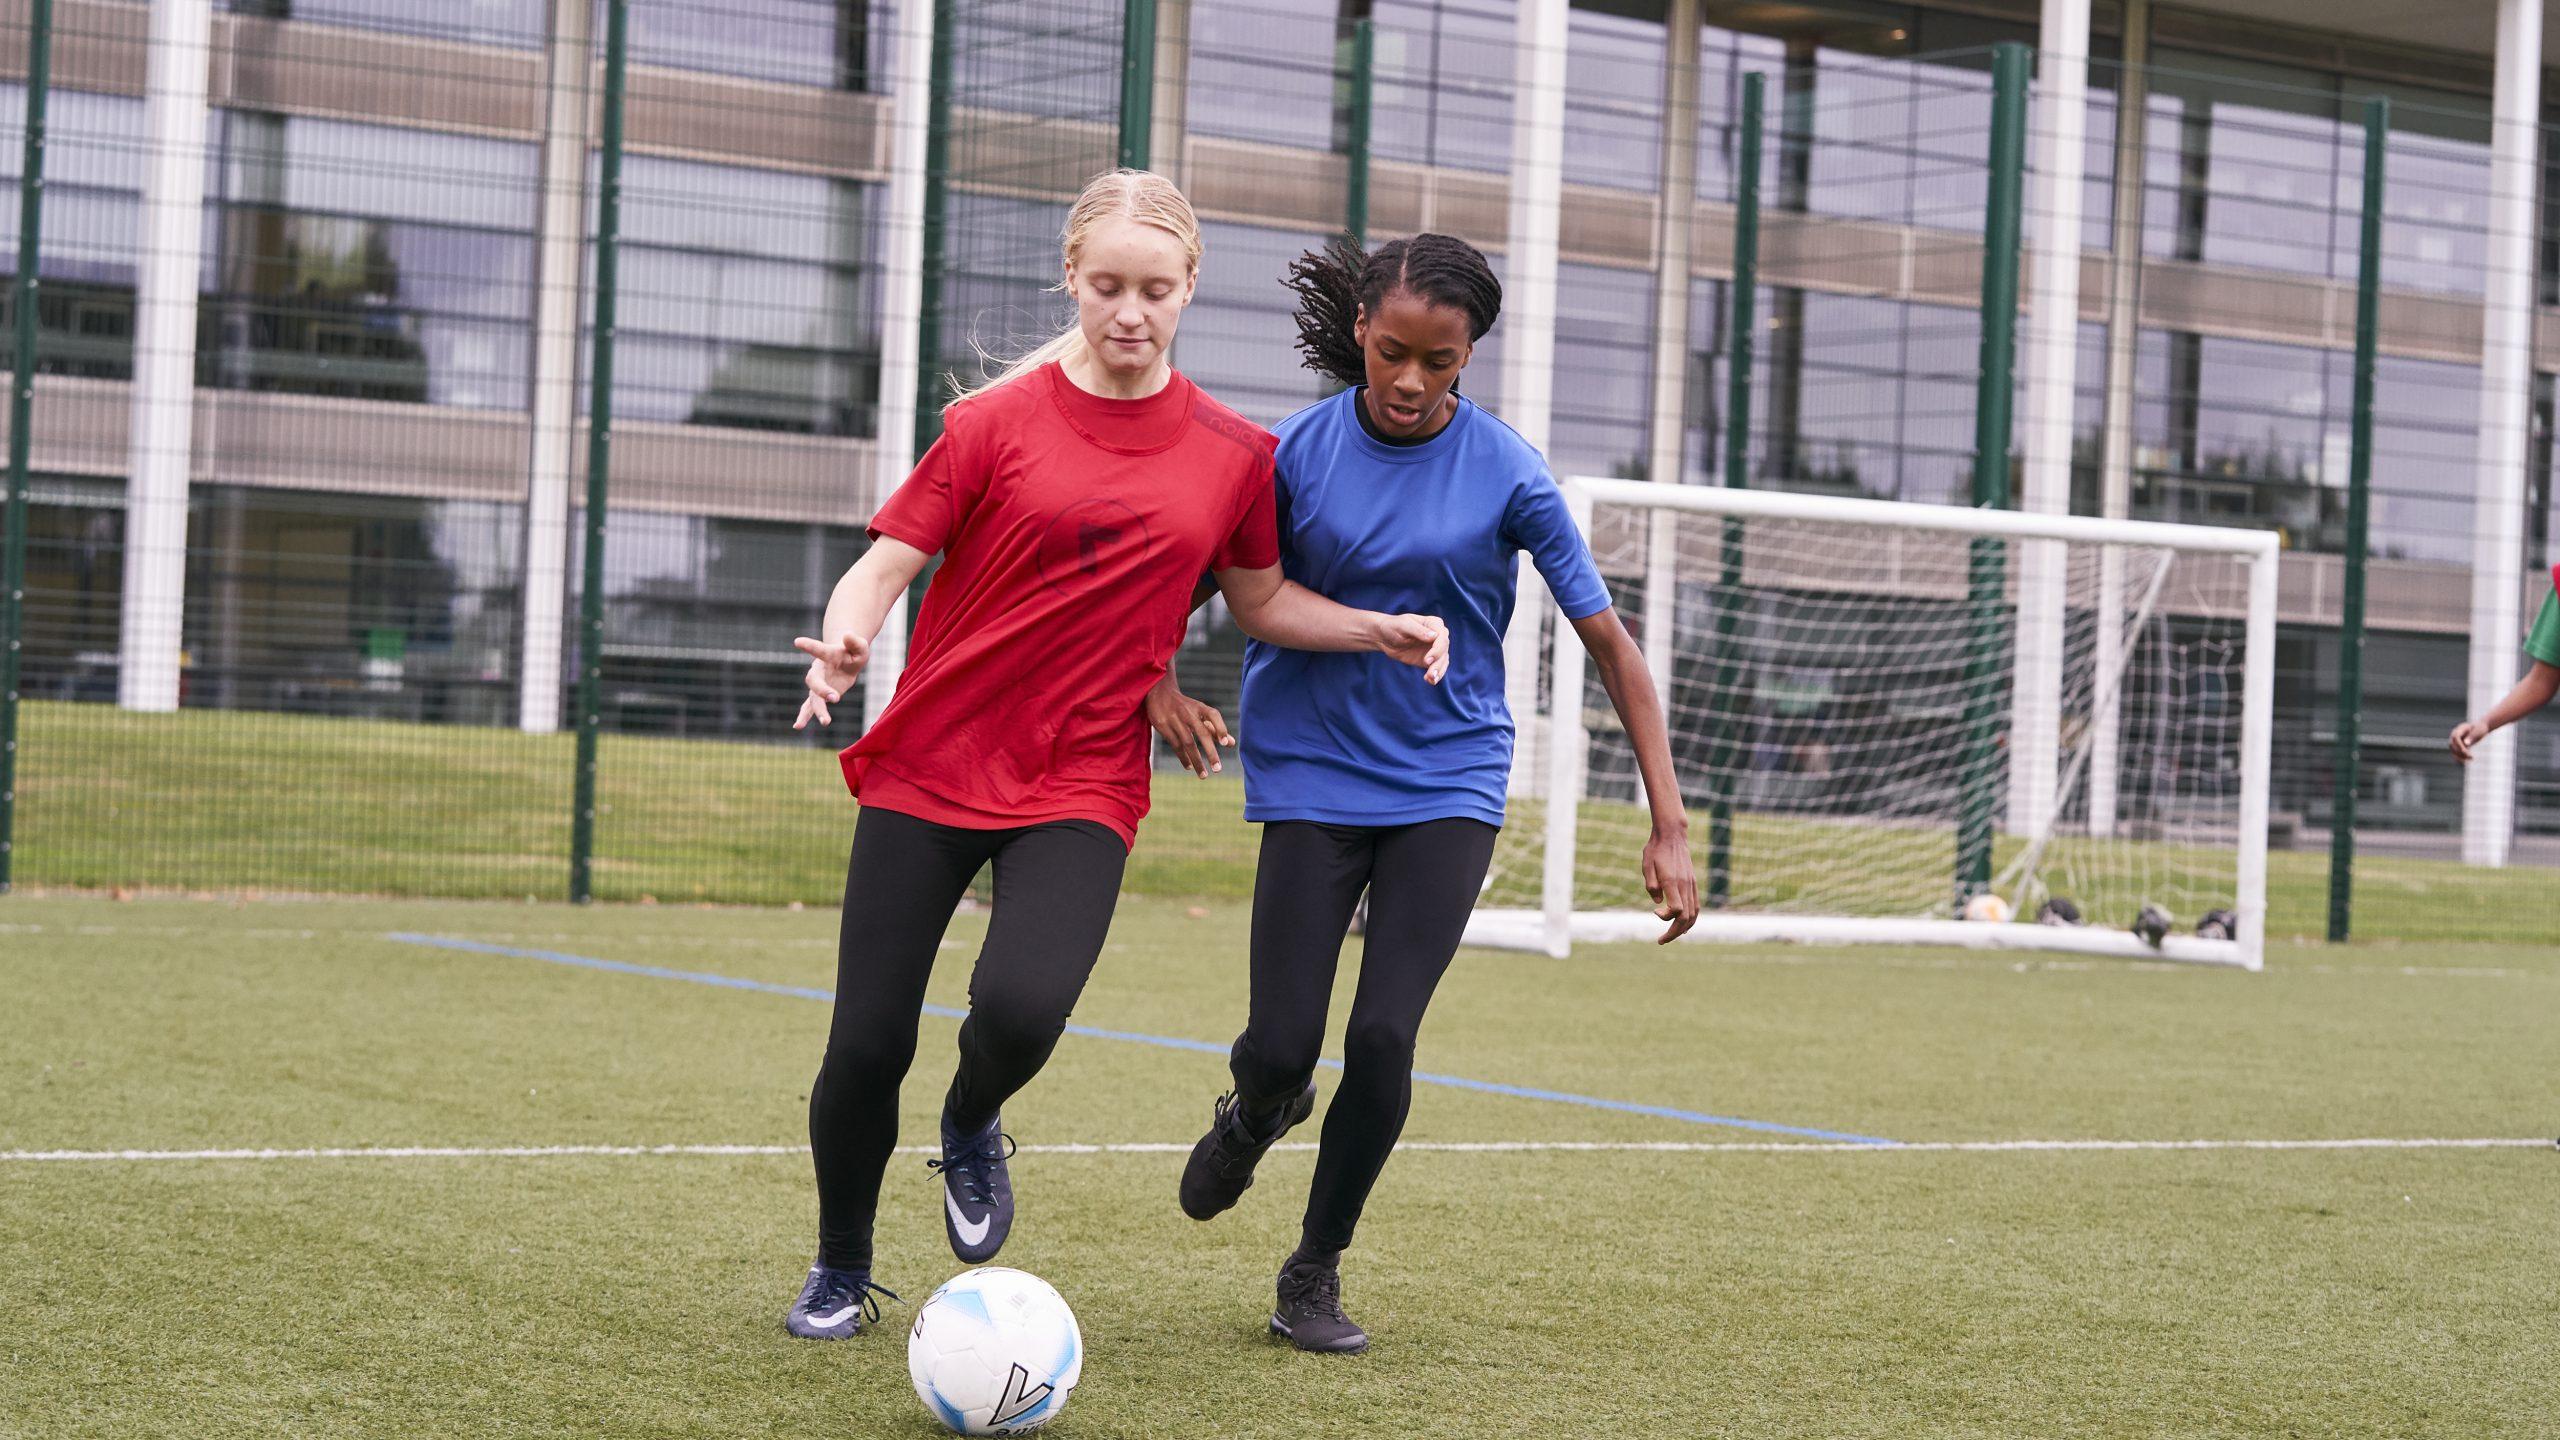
1788, 1286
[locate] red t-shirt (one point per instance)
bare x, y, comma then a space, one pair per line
1073, 529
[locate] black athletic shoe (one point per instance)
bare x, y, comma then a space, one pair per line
977, 1193
1309, 1314
834, 1305
1220, 1169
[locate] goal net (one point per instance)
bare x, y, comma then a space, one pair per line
1909, 723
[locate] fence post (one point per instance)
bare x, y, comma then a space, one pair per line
1355, 185
2350, 757
1987, 570
22, 399
1742, 312
1137, 81
582, 824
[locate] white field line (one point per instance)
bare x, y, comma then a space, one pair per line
1453, 1147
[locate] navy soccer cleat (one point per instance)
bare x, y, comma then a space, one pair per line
977, 1190
834, 1305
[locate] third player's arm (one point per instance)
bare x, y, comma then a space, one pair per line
2532, 692
1279, 611
1668, 876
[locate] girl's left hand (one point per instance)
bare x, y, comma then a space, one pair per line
1671, 882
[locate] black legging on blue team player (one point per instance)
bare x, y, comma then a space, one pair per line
1055, 886
1422, 881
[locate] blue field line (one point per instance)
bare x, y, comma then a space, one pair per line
1133, 1037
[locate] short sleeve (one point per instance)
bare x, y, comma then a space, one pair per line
936, 500
1541, 523
2544, 643
1254, 543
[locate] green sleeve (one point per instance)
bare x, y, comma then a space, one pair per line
2544, 643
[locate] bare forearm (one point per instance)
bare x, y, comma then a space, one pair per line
1639, 705
2531, 693
1296, 618
862, 598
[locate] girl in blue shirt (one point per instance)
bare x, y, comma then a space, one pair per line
1398, 490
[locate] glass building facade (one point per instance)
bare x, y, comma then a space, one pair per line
374, 278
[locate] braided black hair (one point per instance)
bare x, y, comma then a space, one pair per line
1336, 282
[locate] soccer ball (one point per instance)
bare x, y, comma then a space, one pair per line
995, 1352
2218, 925
2154, 925
1988, 908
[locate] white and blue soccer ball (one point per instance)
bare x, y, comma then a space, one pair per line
995, 1352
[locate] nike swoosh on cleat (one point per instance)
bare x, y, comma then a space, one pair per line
969, 1234
829, 1322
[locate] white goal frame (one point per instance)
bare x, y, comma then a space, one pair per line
1553, 928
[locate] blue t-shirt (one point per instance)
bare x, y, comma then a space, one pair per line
1433, 529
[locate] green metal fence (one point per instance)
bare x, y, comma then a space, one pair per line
384, 537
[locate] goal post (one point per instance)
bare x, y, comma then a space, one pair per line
1832, 661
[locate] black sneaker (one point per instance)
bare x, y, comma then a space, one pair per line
834, 1305
1220, 1169
1309, 1314
977, 1193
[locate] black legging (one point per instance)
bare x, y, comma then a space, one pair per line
1055, 888
1422, 881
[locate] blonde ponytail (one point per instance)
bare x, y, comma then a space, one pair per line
1140, 195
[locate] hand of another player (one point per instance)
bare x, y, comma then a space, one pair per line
1421, 641
1194, 730
832, 671
1671, 882
2465, 736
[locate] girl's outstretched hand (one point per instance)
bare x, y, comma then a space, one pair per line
832, 671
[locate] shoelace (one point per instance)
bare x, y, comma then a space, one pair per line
830, 1289
1317, 1291
971, 1168
1233, 1126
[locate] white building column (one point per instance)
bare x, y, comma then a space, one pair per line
1171, 109
1529, 328
1672, 248
2506, 375
2115, 465
161, 442
560, 249
901, 312
2061, 120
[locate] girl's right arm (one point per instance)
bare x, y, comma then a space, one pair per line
2531, 693
854, 614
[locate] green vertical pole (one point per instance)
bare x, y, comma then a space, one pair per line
1742, 318
582, 825
933, 269
2350, 757
1987, 570
934, 261
1355, 185
22, 399
1137, 81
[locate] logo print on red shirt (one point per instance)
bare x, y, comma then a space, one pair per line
1088, 537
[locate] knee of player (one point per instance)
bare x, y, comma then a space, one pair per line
1010, 1022
1370, 1040
856, 1062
